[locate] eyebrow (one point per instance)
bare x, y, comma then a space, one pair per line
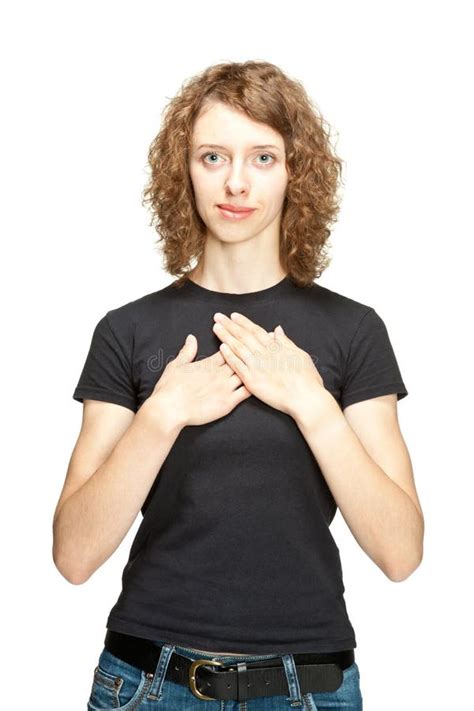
214, 145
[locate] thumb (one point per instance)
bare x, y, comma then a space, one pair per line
188, 350
279, 331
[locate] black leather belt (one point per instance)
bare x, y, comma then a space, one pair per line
217, 679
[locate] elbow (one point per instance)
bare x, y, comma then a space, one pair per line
73, 578
64, 559
410, 560
398, 574
72, 573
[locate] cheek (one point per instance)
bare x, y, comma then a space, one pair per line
204, 184
200, 193
280, 184
274, 185
276, 191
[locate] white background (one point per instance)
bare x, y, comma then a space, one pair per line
83, 88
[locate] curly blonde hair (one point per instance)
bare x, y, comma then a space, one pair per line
264, 93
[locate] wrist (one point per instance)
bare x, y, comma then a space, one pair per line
317, 409
157, 413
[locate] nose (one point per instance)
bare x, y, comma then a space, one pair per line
237, 179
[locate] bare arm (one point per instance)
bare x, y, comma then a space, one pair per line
119, 454
116, 459
366, 464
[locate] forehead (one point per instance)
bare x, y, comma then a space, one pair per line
221, 125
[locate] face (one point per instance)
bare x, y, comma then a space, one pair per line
236, 161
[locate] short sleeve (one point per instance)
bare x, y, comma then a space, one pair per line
107, 371
371, 367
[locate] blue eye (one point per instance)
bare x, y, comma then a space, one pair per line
269, 155
208, 154
205, 155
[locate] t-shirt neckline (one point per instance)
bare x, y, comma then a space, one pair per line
246, 298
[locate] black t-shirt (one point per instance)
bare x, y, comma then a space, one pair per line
234, 551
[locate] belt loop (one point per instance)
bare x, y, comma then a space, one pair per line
159, 676
292, 678
242, 681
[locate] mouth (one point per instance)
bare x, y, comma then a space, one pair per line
234, 212
235, 208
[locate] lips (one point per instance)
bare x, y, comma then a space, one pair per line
235, 208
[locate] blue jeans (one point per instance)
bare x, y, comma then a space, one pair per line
119, 685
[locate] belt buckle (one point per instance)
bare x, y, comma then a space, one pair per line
192, 676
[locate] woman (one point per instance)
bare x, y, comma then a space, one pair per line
238, 442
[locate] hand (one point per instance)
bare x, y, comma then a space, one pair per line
198, 392
270, 365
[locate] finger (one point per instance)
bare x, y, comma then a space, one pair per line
234, 344
245, 335
217, 359
227, 369
258, 332
237, 365
241, 394
281, 336
234, 379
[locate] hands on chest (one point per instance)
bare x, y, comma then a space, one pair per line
250, 361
